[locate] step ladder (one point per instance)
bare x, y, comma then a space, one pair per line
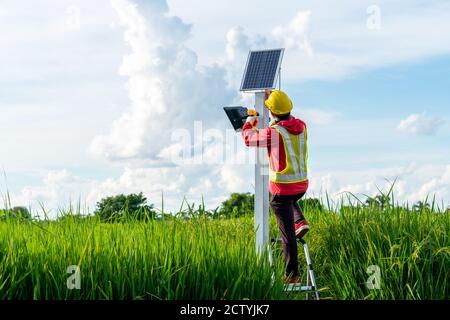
309, 274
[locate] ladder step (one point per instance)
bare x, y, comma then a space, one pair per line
297, 287
279, 240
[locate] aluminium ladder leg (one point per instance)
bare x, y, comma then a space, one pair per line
309, 274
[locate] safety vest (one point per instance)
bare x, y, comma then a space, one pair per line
296, 150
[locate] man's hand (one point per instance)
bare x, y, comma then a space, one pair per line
267, 94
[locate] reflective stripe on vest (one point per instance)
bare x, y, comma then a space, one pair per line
296, 151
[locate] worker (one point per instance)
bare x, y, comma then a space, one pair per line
285, 139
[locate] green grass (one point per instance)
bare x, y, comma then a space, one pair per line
214, 259
412, 250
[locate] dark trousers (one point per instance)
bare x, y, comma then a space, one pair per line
287, 212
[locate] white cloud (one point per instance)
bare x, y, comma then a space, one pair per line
296, 34
237, 43
321, 184
438, 186
166, 86
59, 188
337, 31
49, 72
412, 183
420, 124
152, 181
317, 116
233, 178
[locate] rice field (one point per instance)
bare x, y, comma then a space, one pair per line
203, 258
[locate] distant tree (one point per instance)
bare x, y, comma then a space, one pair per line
239, 204
132, 206
20, 213
75, 217
420, 206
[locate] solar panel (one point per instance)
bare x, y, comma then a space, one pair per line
262, 70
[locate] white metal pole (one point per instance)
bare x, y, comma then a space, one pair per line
261, 182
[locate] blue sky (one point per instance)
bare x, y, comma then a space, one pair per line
90, 95
385, 95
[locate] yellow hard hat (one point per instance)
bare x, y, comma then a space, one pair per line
279, 103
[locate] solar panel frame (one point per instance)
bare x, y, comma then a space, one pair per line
237, 116
269, 79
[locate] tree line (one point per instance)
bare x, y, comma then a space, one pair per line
137, 207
